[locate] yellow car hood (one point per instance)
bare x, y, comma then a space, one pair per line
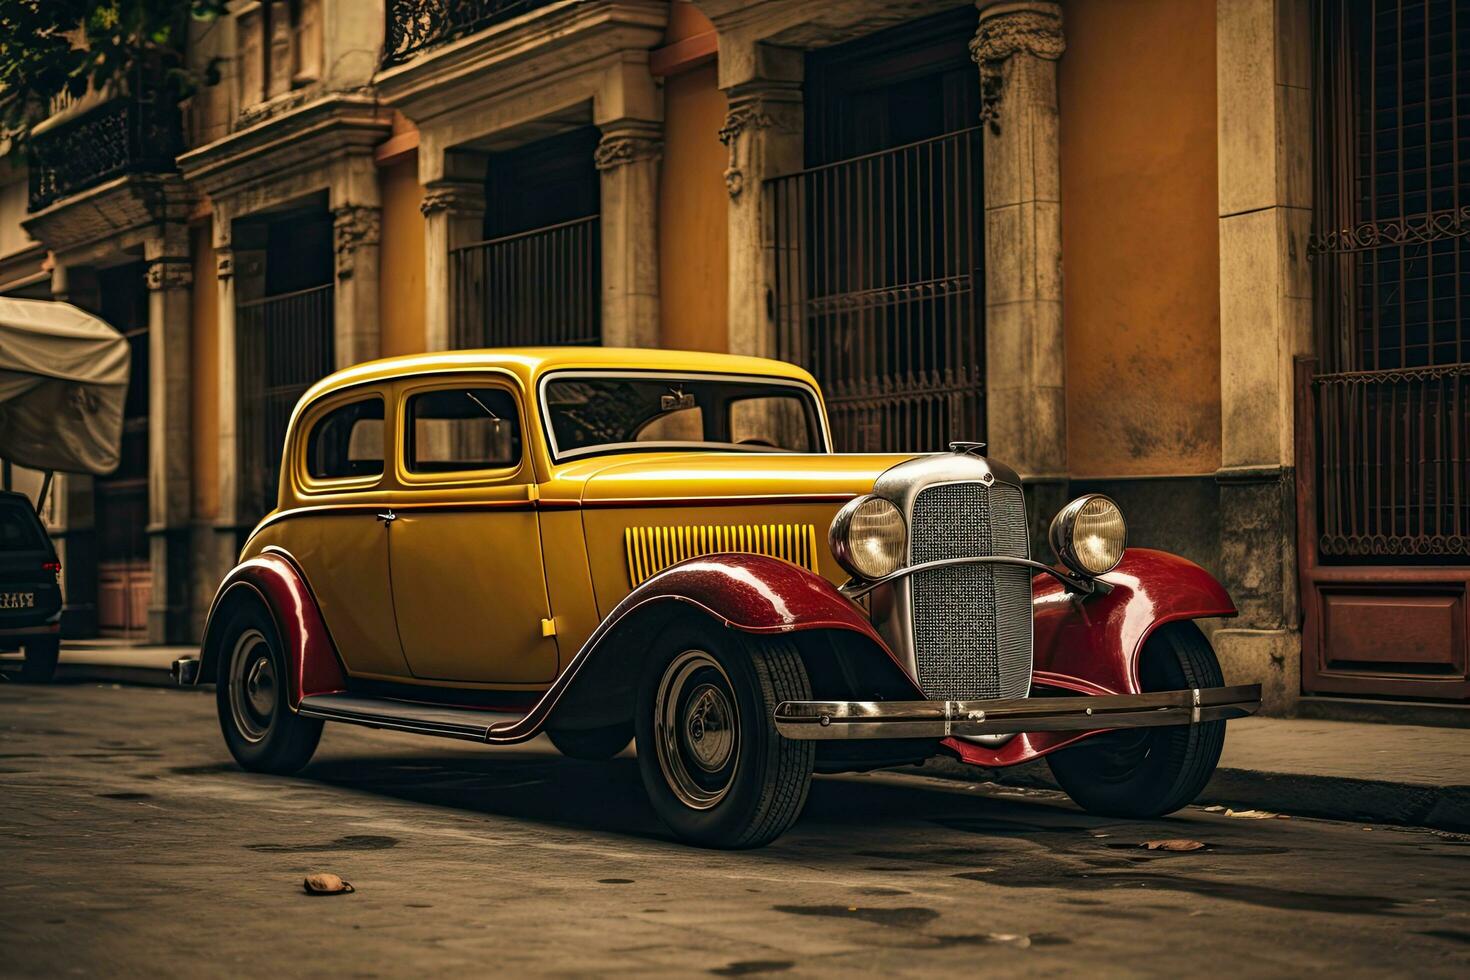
696, 476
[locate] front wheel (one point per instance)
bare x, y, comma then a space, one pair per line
715, 768
1148, 772
251, 696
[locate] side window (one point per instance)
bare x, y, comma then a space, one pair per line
347, 442
462, 429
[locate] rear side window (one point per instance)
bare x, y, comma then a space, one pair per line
20, 529
462, 429
347, 442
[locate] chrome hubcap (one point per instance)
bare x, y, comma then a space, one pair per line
697, 729
252, 680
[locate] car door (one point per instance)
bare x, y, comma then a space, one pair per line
469, 589
336, 537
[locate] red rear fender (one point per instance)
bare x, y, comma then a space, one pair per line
274, 581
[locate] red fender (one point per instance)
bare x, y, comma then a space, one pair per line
273, 579
1091, 645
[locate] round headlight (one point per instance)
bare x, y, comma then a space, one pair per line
1089, 535
868, 537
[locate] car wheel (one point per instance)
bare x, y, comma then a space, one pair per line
592, 744
41, 654
716, 770
1148, 772
253, 701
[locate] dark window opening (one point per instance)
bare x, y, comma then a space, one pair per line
347, 442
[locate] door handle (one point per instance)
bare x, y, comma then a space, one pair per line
387, 517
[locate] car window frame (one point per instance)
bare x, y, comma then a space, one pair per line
313, 415
521, 473
824, 436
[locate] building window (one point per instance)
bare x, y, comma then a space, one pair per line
1391, 269
878, 245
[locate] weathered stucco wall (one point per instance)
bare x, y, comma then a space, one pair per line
401, 283
1140, 238
693, 210
204, 370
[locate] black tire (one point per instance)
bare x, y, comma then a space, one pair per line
252, 699
41, 654
592, 744
1148, 772
708, 788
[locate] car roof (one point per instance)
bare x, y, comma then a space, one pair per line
529, 363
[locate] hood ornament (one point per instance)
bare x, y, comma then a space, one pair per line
967, 448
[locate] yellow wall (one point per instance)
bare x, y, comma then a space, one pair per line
204, 355
1139, 237
693, 242
401, 282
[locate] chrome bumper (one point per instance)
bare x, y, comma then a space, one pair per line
809, 720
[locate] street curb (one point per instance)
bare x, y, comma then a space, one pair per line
1328, 797
110, 674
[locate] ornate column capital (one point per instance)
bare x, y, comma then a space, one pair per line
353, 226
224, 261
452, 196
619, 148
750, 113
170, 272
1030, 27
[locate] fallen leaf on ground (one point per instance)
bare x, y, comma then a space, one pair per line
1217, 808
326, 883
1176, 844
1251, 814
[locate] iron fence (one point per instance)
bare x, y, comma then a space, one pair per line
877, 289
540, 287
133, 134
413, 25
1391, 276
284, 344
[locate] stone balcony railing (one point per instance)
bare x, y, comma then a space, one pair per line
122, 135
415, 25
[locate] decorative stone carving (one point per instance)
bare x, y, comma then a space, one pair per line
353, 226
224, 262
1033, 29
170, 273
452, 197
619, 149
743, 120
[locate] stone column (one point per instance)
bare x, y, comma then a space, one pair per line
1263, 76
627, 159
227, 520
1016, 47
170, 487
763, 135
454, 215
356, 242
71, 514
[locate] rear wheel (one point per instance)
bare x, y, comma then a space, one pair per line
592, 744
252, 698
1147, 772
41, 655
715, 768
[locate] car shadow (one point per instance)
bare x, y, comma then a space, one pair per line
609, 796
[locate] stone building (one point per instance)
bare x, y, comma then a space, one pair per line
1202, 255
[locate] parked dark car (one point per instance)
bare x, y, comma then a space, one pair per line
30, 592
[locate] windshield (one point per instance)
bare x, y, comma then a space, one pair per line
610, 412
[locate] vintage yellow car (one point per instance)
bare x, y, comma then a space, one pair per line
611, 546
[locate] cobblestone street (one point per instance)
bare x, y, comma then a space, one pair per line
130, 844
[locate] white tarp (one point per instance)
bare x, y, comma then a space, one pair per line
63, 379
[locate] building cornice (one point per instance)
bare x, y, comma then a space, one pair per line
111, 216
307, 137
526, 51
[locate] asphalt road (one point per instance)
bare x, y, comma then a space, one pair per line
131, 845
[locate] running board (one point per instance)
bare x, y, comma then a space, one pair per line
418, 717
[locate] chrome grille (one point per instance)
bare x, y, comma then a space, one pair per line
972, 623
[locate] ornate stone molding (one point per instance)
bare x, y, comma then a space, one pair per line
1006, 30
744, 119
224, 262
620, 149
170, 273
353, 226
452, 197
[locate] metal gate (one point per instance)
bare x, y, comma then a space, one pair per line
532, 288
877, 289
1384, 411
284, 345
